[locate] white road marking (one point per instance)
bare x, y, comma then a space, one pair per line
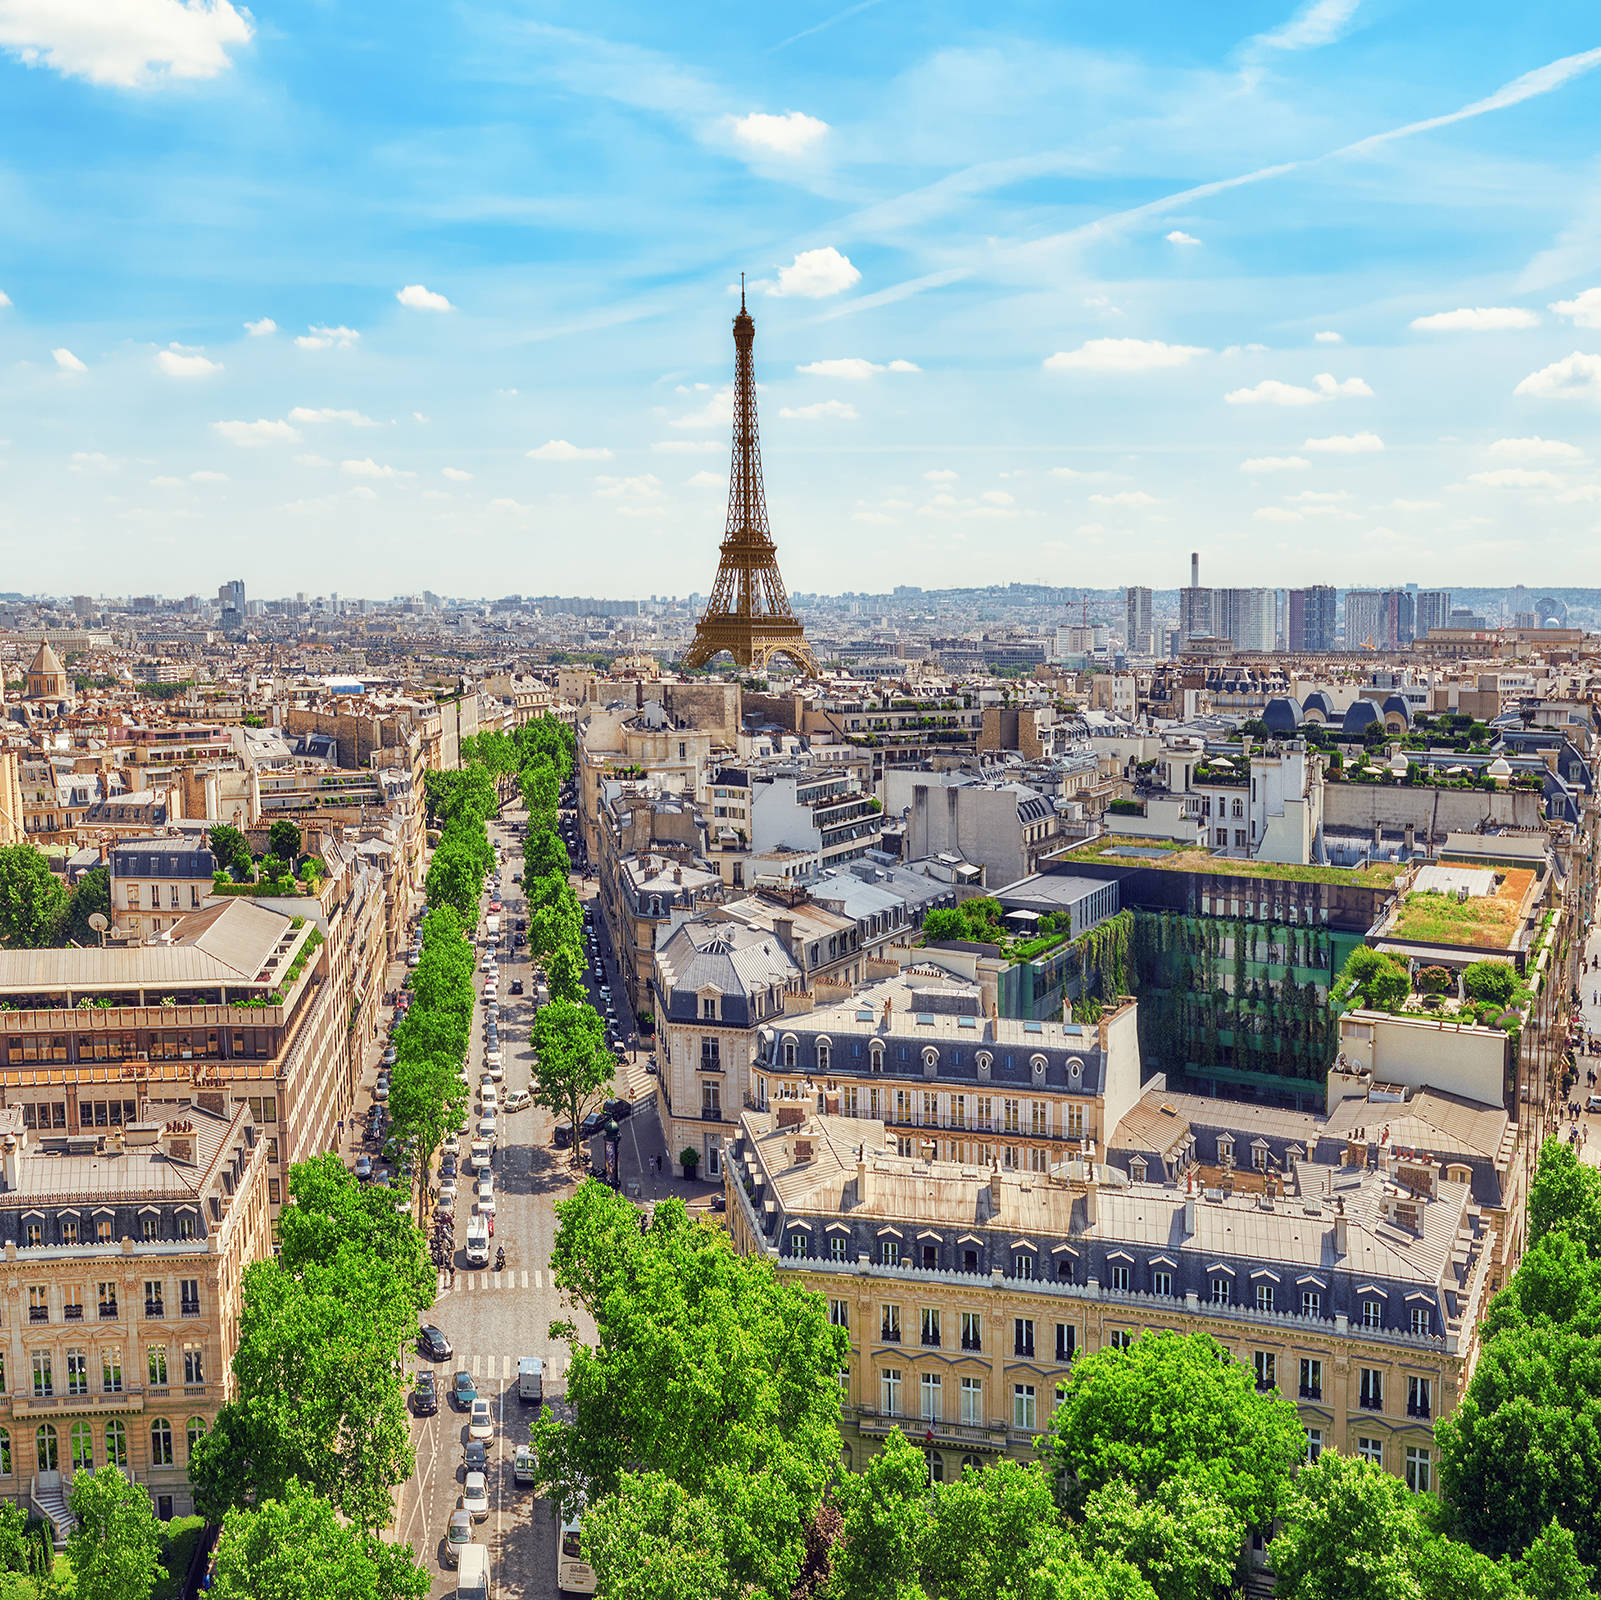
505, 1368
525, 1277
539, 1280
478, 1364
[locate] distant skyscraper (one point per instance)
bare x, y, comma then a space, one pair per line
1311, 619
1434, 610
231, 596
1246, 617
1400, 617
1364, 619
1196, 612
1137, 634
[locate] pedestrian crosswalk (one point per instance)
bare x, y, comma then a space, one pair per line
499, 1368
485, 1282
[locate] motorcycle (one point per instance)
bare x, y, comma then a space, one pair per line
500, 1260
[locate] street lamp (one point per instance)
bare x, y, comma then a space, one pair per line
611, 1130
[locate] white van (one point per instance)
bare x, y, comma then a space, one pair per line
531, 1379
489, 1098
478, 1242
472, 1575
492, 925
478, 1160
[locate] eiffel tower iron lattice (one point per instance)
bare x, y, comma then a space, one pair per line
748, 614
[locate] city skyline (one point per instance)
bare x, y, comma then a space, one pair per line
1312, 289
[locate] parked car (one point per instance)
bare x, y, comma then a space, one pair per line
1593, 1103
447, 1193
564, 1135
592, 1124
364, 1166
619, 1109
458, 1535
475, 1456
492, 1057
475, 1496
484, 1197
523, 1467
517, 1100
424, 1395
482, 1424
381, 1091
465, 1390
389, 1056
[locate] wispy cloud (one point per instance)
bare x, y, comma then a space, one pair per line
264, 430
128, 44
1259, 464
1476, 319
67, 361
179, 361
1346, 444
827, 22
1123, 356
1179, 236
822, 410
561, 450
1319, 23
327, 338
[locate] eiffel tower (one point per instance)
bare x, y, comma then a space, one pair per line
748, 614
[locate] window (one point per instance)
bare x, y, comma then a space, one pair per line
890, 1252
1066, 1341
1161, 1282
822, 1056
1419, 1395
1311, 1379
930, 1258
889, 1390
837, 1246
150, 1229
799, 1244
189, 1296
930, 1398
1371, 1395
973, 1401
196, 1432
1121, 1339
83, 1447
839, 1313
1264, 1297
102, 1230
38, 1303
33, 1238
1023, 1405
1037, 1118
161, 1443
153, 1298
1422, 1319
889, 1331
708, 1007
1022, 1265
157, 1359
1418, 1463
1012, 1111
69, 1230
1314, 1443
193, 1364
1372, 1314
1370, 1449
931, 1327
43, 1379
1075, 1122
5, 1454
845, 1385
710, 1058
1311, 1303
72, 1302
163, 1508
1120, 1276
185, 1225
44, 1443
1221, 1290
1267, 1368
1022, 1336
77, 1372
107, 1294
111, 1372
972, 1331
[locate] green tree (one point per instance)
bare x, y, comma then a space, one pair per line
1175, 1406
544, 852
296, 1546
1372, 979
575, 1068
232, 851
653, 1540
283, 839
886, 1524
91, 893
981, 1534
454, 881
1185, 1542
114, 1550
944, 922
708, 1368
16, 1547
1565, 1197
1550, 1568
33, 900
564, 973
1350, 1532
1495, 981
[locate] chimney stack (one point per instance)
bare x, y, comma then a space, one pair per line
995, 1187
1195, 569
864, 1191
1342, 1239
1189, 1217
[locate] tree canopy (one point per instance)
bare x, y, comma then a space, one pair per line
33, 900
575, 1067
115, 1549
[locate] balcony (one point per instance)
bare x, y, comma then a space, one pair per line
1023, 1350
72, 1312
1371, 1402
38, 1313
1419, 1408
889, 1335
155, 1308
108, 1309
190, 1308
931, 1341
1312, 1391
972, 1342
711, 1113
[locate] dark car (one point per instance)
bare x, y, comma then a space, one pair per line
425, 1395
516, 985
619, 1109
564, 1135
476, 1455
522, 924
447, 1167
433, 1344
364, 1166
592, 1124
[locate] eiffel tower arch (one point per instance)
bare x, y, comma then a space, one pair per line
748, 614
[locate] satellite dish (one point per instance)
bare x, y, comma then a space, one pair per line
99, 922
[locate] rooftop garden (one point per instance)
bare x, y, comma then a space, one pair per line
1432, 916
280, 870
1492, 995
1187, 858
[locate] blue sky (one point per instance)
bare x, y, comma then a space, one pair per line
376, 298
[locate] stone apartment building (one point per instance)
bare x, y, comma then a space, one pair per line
1001, 825
968, 1293
157, 880
125, 1249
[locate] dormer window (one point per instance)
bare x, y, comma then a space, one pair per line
824, 1052
875, 1056
708, 1008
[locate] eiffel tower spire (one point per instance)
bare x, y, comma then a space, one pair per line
748, 614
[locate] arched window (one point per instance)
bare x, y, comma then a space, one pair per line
824, 1052
5, 1453
161, 1443
971, 1461
45, 1444
83, 1447
117, 1443
936, 1467
875, 1052
197, 1432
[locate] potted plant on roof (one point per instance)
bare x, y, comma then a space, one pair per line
689, 1160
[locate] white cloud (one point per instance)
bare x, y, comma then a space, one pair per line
504, 503
128, 43
1517, 478
418, 298
841, 410
321, 337
166, 483
1346, 444
647, 486
1123, 355
205, 476
1417, 505
456, 475
685, 447
1275, 464
1580, 494
417, 416
264, 430
560, 450
312, 461
1067, 472
1270, 392
1477, 319
329, 414
179, 362
1319, 496
262, 329
1332, 386
1179, 236
1327, 336
5, 299
1276, 514
362, 492
717, 412
1585, 308
997, 497
706, 480
1574, 377
854, 367
791, 134
365, 468
941, 475
879, 519
1536, 449
1124, 497
95, 461
1313, 25
813, 275
67, 361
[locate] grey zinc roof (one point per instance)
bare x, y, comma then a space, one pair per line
728, 957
